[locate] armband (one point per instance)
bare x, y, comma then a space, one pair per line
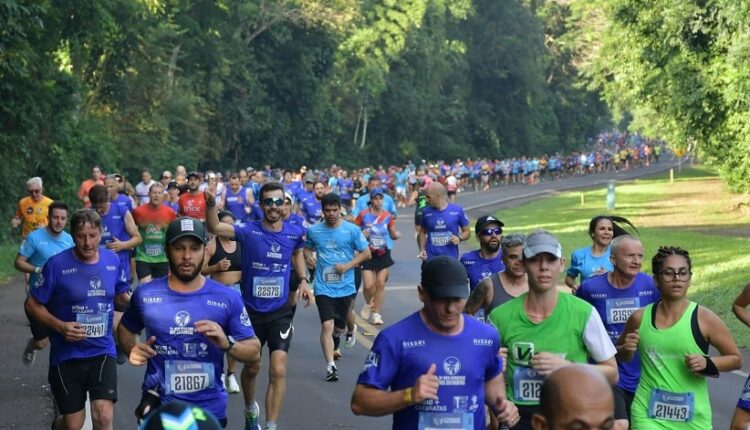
408, 395
710, 369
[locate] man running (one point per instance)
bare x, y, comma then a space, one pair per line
193, 203
32, 211
436, 367
142, 188
483, 262
311, 208
336, 241
36, 249
545, 330
444, 225
76, 297
271, 248
152, 220
190, 323
83, 190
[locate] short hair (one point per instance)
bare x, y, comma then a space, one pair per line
98, 194
513, 240
156, 185
57, 204
85, 216
617, 242
36, 180
657, 262
222, 214
330, 199
269, 187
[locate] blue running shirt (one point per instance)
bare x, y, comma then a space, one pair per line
480, 268
335, 246
39, 246
440, 225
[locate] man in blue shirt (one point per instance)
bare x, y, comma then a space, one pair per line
363, 201
436, 365
191, 322
75, 297
336, 242
483, 262
444, 225
36, 249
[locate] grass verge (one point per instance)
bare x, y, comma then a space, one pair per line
8, 252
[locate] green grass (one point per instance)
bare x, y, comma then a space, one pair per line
696, 212
8, 252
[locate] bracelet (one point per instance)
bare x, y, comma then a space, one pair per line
303, 279
408, 395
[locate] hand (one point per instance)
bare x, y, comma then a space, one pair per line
426, 386
222, 265
631, 341
73, 331
341, 268
210, 195
545, 363
142, 352
311, 261
504, 355
213, 332
116, 245
507, 412
696, 363
422, 255
455, 239
15, 222
306, 294
396, 235
366, 233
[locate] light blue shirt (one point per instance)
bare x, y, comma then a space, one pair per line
335, 246
39, 246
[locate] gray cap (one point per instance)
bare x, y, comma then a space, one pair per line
540, 242
445, 277
309, 177
186, 226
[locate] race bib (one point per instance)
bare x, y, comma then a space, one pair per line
441, 238
664, 405
268, 287
527, 384
619, 310
445, 421
188, 376
154, 249
331, 276
94, 324
377, 242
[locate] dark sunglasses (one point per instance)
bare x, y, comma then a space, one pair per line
490, 231
278, 202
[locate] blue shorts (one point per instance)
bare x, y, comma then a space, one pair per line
744, 401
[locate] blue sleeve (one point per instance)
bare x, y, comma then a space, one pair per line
360, 240
391, 206
122, 286
310, 242
44, 287
27, 246
238, 326
575, 265
131, 319
463, 220
381, 364
583, 292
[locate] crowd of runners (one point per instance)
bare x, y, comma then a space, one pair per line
194, 274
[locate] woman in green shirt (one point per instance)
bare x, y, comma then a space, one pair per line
673, 336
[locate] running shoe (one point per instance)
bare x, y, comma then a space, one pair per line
337, 354
365, 312
350, 339
251, 419
376, 319
29, 354
231, 385
332, 373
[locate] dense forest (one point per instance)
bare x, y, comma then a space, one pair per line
129, 84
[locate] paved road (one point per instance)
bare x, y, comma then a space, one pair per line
311, 402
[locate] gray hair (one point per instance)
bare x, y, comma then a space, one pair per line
513, 240
617, 242
36, 180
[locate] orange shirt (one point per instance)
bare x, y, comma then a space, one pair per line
83, 190
32, 214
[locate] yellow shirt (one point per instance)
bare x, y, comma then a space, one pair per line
32, 214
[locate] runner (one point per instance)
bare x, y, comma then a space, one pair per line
502, 286
363, 202
435, 366
177, 413
444, 225
190, 323
741, 418
113, 191
83, 190
673, 336
193, 203
32, 211
335, 241
172, 199
483, 262
270, 249
311, 208
142, 188
152, 220
75, 298
545, 329
36, 249
594, 260
379, 227
615, 296
238, 199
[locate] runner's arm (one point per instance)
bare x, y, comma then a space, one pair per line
718, 335
72, 331
210, 250
738, 307
600, 347
478, 297
465, 233
212, 219
22, 265
421, 241
359, 258
627, 344
132, 230
126, 339
374, 402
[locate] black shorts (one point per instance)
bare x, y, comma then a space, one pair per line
73, 379
452, 193
623, 403
380, 262
274, 328
293, 281
357, 278
334, 308
38, 330
155, 270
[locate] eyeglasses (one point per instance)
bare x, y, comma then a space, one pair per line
490, 231
278, 202
35, 191
671, 275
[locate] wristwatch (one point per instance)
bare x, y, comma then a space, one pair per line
231, 341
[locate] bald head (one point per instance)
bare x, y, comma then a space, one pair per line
437, 195
575, 396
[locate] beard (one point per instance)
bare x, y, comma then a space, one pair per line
491, 247
174, 268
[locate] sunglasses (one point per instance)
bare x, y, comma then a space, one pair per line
278, 202
490, 231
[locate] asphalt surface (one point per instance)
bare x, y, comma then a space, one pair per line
310, 402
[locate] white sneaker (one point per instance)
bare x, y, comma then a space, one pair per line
224, 381
29, 354
365, 312
232, 386
376, 319
351, 338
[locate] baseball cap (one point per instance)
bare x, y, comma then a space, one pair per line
309, 177
445, 277
179, 414
191, 174
288, 196
376, 191
186, 226
484, 220
541, 241
172, 185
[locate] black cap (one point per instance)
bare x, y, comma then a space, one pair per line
172, 185
483, 221
445, 277
186, 226
191, 174
178, 414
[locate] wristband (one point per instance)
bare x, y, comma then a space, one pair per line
37, 269
408, 395
710, 369
303, 279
